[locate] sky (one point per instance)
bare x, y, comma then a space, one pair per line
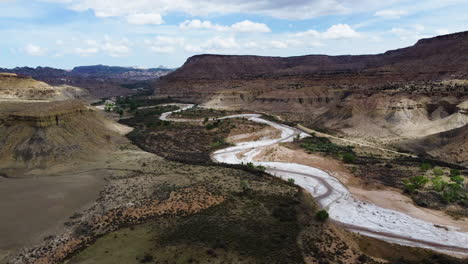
149, 33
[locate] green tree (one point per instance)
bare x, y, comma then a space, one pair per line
120, 111
322, 215
349, 157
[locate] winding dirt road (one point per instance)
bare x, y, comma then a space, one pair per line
331, 194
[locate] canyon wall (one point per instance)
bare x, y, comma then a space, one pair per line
398, 95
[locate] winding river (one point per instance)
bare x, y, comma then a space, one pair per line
346, 211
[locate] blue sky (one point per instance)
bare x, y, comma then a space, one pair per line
149, 33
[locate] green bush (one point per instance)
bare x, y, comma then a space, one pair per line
458, 179
244, 185
426, 166
454, 172
452, 193
322, 215
414, 183
291, 180
349, 157
438, 172
259, 167
438, 184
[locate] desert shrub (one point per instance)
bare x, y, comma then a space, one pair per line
218, 143
426, 166
244, 186
438, 184
414, 183
454, 172
452, 193
438, 172
349, 157
458, 179
322, 215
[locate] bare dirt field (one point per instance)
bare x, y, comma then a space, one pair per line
33, 208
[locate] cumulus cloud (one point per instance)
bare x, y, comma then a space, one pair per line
249, 26
198, 24
338, 31
86, 51
164, 44
115, 49
245, 26
108, 46
410, 32
34, 50
391, 13
216, 44
142, 19
303, 9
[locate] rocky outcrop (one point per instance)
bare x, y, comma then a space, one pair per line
16, 87
41, 114
42, 134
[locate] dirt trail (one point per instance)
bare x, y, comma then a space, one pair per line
321, 134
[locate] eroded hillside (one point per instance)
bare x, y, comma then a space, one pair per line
402, 94
15, 87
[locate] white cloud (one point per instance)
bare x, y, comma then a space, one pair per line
276, 44
214, 45
193, 48
108, 46
413, 32
391, 13
165, 44
198, 24
338, 31
145, 18
442, 31
245, 26
222, 43
303, 9
249, 26
34, 50
115, 49
159, 49
86, 51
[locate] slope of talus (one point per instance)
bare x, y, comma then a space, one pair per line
41, 134
14, 87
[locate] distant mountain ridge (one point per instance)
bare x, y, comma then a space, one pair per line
441, 56
91, 71
100, 80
